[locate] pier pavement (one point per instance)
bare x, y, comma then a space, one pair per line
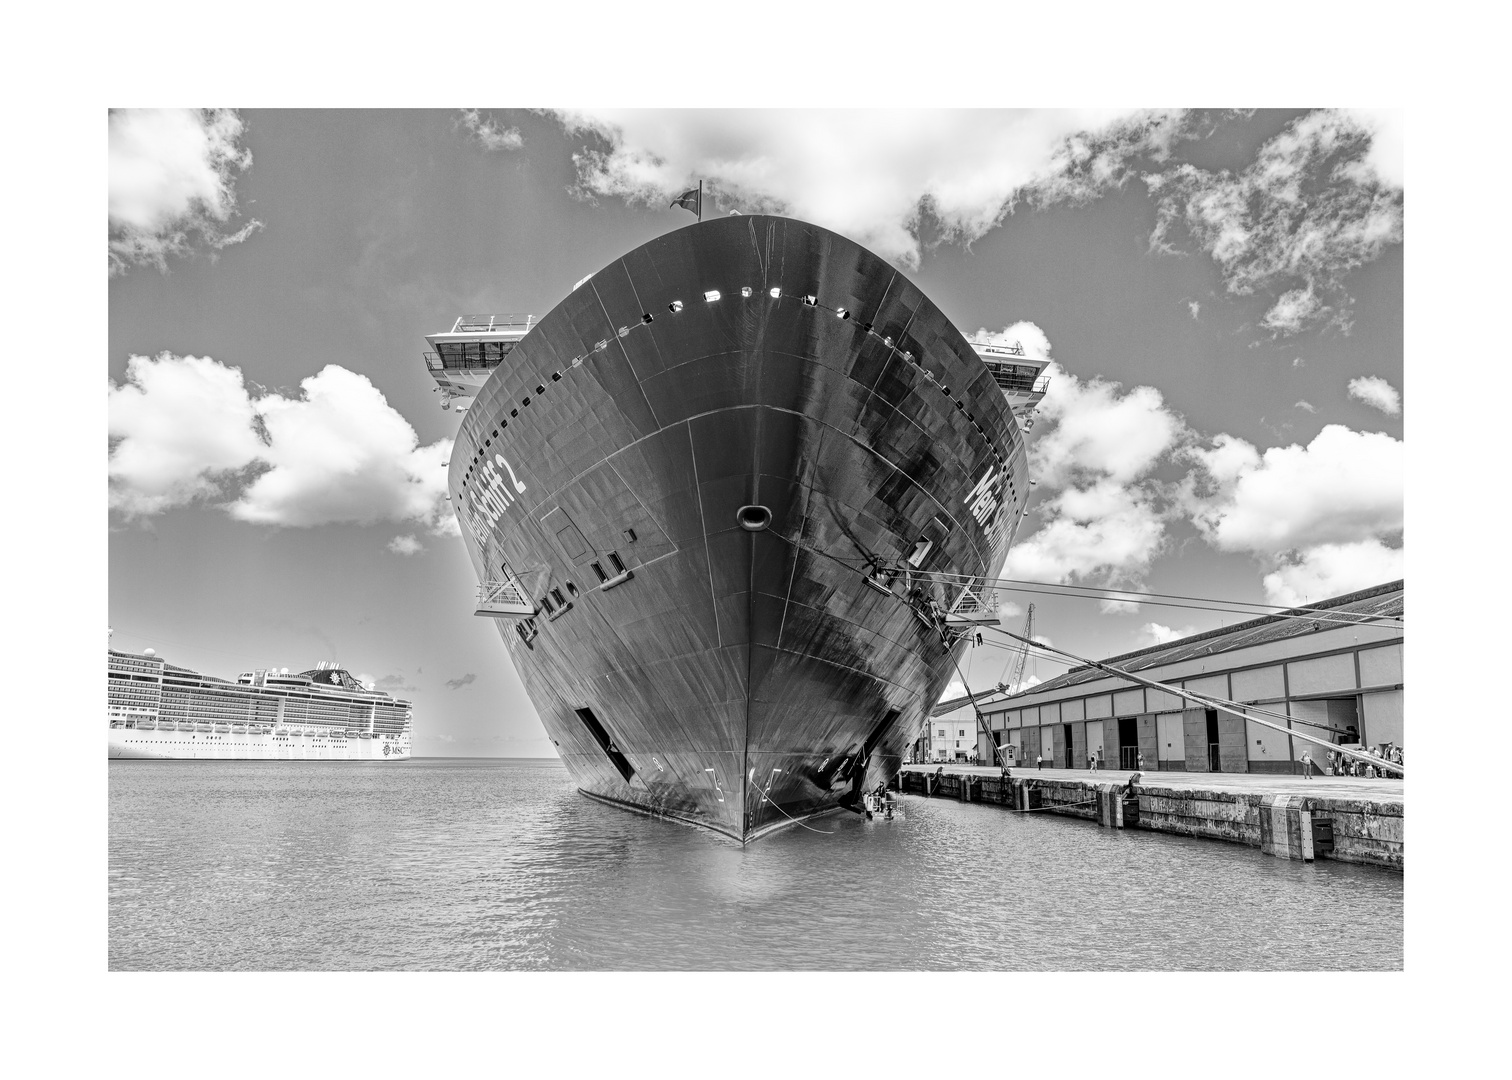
1317, 786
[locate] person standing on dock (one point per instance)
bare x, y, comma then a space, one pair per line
1039, 761
1306, 763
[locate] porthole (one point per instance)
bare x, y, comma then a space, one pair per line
753, 518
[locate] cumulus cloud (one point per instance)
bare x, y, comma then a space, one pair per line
1106, 522
1323, 519
1107, 533
1098, 430
1156, 634
172, 177
1331, 569
459, 683
872, 175
405, 545
187, 428
1343, 487
394, 684
1306, 406
1377, 393
490, 134
1320, 199
1195, 307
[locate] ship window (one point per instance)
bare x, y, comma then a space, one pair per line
495, 433
599, 570
647, 317
487, 442
571, 588
556, 376
619, 567
541, 389
514, 412
557, 595
675, 306
525, 402
546, 603
630, 535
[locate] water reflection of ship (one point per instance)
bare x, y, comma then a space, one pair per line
730, 503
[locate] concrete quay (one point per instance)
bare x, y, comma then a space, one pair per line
1348, 819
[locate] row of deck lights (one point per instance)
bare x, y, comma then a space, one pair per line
809, 300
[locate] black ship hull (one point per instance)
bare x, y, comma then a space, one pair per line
693, 663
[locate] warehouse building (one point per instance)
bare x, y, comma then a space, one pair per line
1334, 668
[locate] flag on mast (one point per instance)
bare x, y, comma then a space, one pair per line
692, 199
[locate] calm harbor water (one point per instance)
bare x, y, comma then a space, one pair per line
458, 864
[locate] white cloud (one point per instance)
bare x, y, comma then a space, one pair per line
1108, 533
172, 178
1156, 634
868, 174
490, 134
1194, 307
405, 545
1106, 523
1332, 569
1377, 393
1388, 143
186, 428
1321, 198
1109, 605
180, 426
1298, 362
1343, 487
1306, 406
1099, 431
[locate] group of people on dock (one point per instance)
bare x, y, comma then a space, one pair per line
1343, 765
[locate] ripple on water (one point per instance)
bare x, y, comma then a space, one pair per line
455, 864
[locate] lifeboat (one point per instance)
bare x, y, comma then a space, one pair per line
238, 729
351, 734
201, 727
184, 725
223, 729
281, 731
145, 725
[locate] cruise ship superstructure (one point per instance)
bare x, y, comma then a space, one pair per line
161, 710
730, 504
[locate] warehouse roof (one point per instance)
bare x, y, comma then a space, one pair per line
1367, 605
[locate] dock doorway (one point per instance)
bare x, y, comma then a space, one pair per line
1128, 742
1070, 749
1215, 764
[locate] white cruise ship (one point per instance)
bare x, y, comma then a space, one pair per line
160, 710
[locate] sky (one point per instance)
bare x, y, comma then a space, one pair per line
1220, 294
